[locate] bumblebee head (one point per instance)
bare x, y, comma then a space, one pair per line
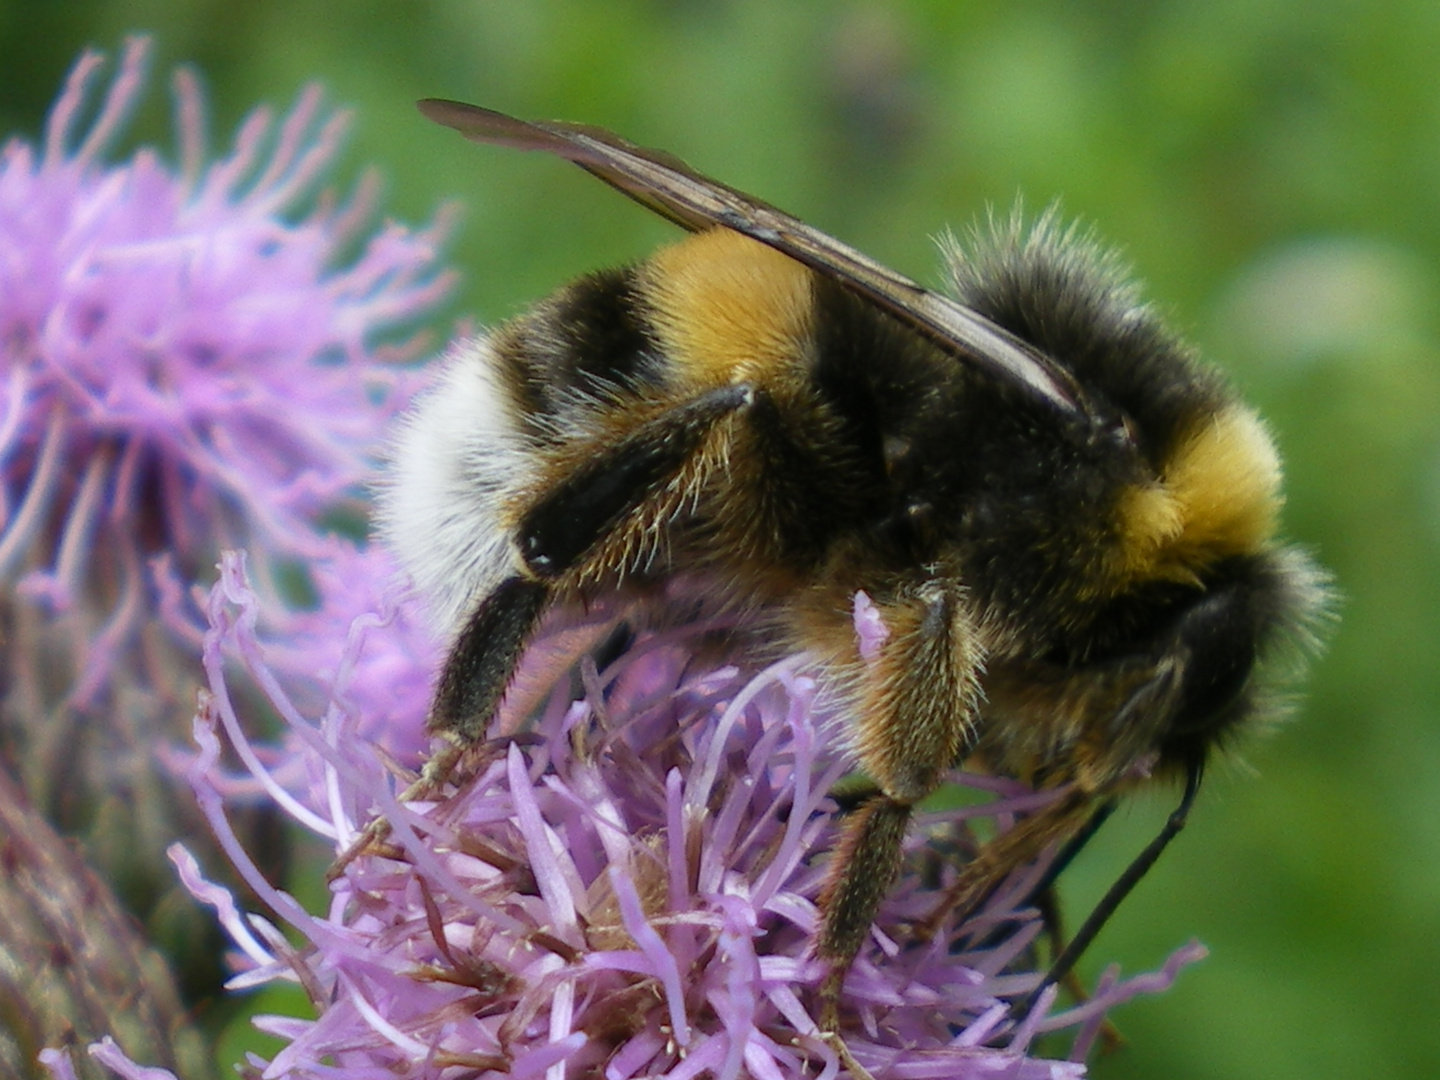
1146, 595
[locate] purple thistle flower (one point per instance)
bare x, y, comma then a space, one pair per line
192, 357
183, 367
625, 886
358, 648
367, 651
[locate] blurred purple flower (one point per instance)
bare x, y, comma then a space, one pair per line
358, 648
186, 362
192, 357
183, 367
624, 886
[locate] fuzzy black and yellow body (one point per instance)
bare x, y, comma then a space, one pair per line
1067, 524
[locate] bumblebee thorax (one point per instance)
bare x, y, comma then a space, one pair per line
1215, 497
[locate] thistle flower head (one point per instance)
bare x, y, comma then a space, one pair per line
625, 887
192, 356
188, 360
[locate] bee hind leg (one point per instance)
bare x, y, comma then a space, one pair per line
484, 657
557, 535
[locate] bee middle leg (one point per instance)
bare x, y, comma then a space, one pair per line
1043, 895
915, 720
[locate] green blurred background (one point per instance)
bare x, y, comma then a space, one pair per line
1272, 169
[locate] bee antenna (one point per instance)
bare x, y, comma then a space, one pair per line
1117, 892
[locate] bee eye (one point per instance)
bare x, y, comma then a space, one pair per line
1217, 639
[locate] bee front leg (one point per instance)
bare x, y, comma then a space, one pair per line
915, 720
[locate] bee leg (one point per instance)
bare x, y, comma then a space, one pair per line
484, 657
555, 536
561, 529
474, 677
1136, 694
865, 866
914, 722
1042, 895
853, 792
472, 682
1001, 856
1048, 904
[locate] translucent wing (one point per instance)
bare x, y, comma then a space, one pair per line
675, 191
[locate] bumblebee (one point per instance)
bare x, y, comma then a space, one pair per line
1067, 523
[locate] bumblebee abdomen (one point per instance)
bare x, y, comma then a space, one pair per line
774, 486
713, 310
728, 309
